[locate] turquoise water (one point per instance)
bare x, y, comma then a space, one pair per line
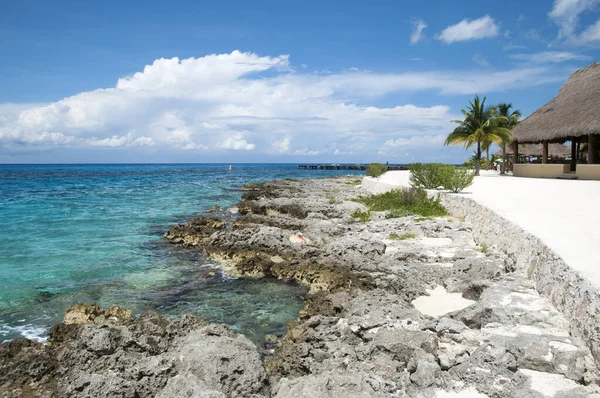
93, 233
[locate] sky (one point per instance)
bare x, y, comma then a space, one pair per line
273, 81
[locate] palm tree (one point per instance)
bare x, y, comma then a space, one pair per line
512, 119
480, 126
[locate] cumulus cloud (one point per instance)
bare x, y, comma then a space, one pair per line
246, 102
417, 34
466, 29
545, 57
237, 143
565, 13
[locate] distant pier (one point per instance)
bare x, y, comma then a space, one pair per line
347, 166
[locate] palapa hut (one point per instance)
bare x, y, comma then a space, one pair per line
573, 115
556, 152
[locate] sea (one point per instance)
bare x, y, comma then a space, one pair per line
94, 234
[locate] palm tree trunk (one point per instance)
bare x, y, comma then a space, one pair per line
503, 165
487, 155
478, 160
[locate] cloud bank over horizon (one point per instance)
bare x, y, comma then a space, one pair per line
246, 103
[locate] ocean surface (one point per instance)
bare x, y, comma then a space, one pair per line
93, 233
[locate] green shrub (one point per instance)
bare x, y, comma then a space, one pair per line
428, 175
363, 216
436, 175
376, 169
402, 202
458, 179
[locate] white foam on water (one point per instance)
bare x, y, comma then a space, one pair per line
31, 332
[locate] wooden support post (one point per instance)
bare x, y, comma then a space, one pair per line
515, 153
544, 152
573, 153
591, 149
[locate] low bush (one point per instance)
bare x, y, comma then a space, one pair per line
458, 179
436, 175
428, 175
402, 202
376, 169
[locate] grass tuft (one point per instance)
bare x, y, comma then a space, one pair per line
363, 216
353, 182
483, 248
402, 237
403, 202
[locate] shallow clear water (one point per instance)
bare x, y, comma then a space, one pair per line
93, 233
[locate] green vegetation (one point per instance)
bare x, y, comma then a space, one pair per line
353, 182
482, 126
402, 237
428, 175
458, 179
511, 119
420, 219
376, 169
363, 216
483, 248
403, 202
332, 197
435, 175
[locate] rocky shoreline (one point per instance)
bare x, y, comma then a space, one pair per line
398, 307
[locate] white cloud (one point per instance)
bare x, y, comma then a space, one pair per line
413, 141
282, 146
111, 142
510, 46
225, 102
546, 57
466, 29
591, 34
308, 152
237, 143
565, 13
417, 34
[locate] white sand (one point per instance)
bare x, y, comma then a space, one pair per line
564, 214
548, 384
468, 393
440, 302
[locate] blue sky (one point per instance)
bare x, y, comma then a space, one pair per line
273, 81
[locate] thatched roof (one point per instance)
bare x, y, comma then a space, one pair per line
558, 150
574, 112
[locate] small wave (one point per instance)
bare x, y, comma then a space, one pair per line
31, 332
